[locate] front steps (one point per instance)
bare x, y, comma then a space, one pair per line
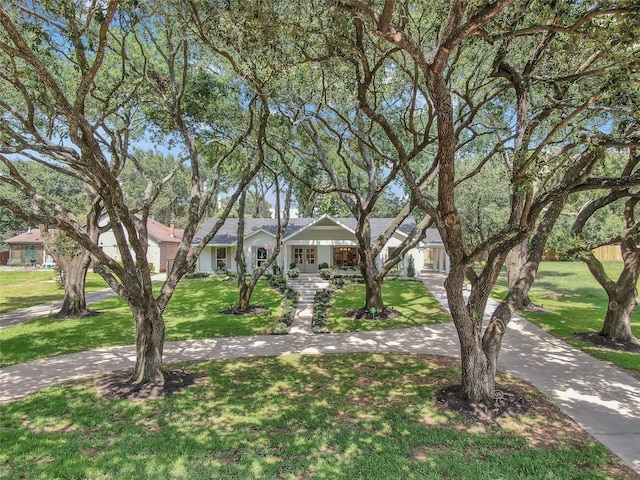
306, 285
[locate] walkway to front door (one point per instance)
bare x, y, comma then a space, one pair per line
307, 286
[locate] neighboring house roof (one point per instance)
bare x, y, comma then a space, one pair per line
162, 234
227, 235
31, 236
157, 231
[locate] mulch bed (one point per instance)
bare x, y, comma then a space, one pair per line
364, 314
253, 309
118, 385
597, 340
510, 403
86, 314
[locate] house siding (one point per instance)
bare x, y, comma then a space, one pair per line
157, 253
207, 260
168, 252
23, 254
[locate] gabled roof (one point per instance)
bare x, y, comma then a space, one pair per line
162, 234
31, 236
433, 237
379, 225
311, 222
227, 235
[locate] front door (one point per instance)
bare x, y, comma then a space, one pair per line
305, 259
310, 265
31, 255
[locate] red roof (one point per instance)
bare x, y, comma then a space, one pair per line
31, 236
159, 232
162, 233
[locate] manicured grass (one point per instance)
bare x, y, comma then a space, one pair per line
26, 288
416, 303
575, 303
192, 313
369, 416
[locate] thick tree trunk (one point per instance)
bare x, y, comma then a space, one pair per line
75, 276
497, 327
623, 294
244, 295
623, 300
478, 383
149, 343
517, 258
373, 290
372, 281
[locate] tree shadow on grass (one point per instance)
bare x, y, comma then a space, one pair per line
329, 416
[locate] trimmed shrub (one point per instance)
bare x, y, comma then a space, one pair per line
339, 281
288, 305
321, 303
411, 267
325, 273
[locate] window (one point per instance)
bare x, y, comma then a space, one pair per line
221, 257
311, 256
298, 255
345, 256
261, 256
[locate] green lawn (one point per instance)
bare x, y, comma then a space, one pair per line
25, 288
358, 416
576, 303
416, 303
192, 313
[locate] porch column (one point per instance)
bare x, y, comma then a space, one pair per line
284, 259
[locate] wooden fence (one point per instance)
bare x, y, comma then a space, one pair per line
608, 253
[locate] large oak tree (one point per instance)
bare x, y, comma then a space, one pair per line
87, 78
508, 71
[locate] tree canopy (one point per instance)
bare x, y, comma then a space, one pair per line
481, 119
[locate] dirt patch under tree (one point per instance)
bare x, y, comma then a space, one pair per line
252, 310
600, 341
507, 402
118, 385
365, 314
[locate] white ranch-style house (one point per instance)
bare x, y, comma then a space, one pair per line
311, 242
